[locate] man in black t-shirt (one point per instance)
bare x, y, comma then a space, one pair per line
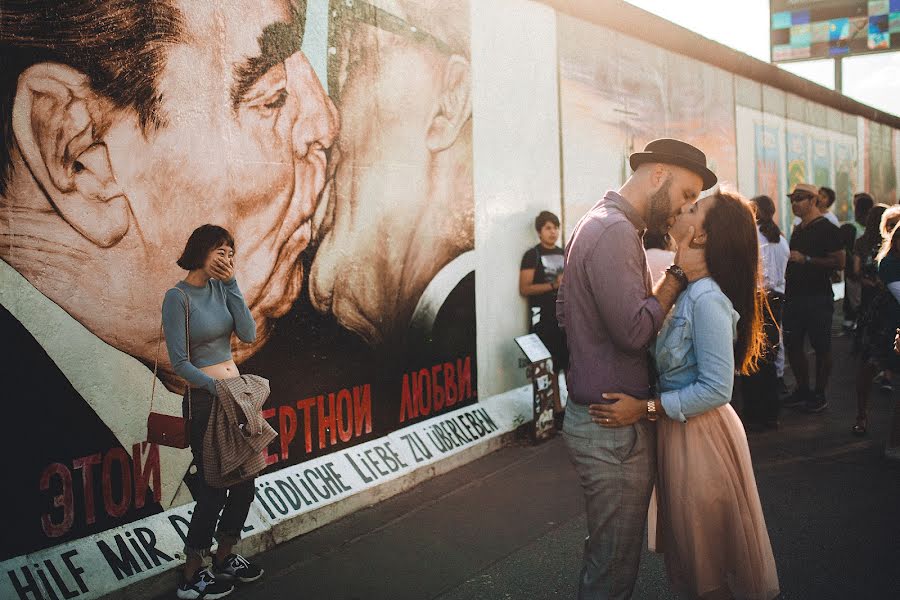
816, 251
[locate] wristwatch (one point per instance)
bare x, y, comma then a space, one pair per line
679, 274
652, 415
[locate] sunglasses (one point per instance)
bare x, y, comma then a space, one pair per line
800, 198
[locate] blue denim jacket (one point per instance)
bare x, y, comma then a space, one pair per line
695, 351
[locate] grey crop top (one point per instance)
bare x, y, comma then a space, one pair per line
217, 310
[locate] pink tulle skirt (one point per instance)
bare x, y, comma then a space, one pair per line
705, 516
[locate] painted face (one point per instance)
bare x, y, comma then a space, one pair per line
679, 188
549, 234
693, 214
247, 125
379, 197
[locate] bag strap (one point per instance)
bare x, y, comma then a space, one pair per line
187, 339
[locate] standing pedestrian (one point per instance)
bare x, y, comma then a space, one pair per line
809, 300
879, 325
862, 204
759, 390
540, 275
199, 315
611, 314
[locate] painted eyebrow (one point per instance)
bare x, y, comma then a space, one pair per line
277, 42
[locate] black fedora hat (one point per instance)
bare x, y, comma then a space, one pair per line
675, 152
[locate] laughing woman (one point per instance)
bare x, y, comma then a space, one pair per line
710, 527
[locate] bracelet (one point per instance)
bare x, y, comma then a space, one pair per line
679, 274
652, 415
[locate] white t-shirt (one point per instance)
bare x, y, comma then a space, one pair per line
774, 258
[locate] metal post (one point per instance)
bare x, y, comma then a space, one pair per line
838, 75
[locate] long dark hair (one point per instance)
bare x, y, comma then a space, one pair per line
765, 218
871, 237
732, 258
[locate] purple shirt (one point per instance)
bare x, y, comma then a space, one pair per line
606, 304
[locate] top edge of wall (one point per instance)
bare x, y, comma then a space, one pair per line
638, 23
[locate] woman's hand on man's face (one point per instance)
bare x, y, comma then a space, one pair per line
690, 258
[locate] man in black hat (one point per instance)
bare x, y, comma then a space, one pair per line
611, 311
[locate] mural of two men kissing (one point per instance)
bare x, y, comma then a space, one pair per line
344, 171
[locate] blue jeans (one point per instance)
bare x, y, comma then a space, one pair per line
617, 469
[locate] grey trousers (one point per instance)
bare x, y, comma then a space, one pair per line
617, 469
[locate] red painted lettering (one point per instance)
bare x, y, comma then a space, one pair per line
271, 459
63, 500
464, 378
424, 386
113, 508
362, 409
344, 415
287, 428
437, 390
142, 474
450, 383
409, 405
306, 406
87, 479
327, 422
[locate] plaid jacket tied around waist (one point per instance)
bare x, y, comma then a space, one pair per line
237, 434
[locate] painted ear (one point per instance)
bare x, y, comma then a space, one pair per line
55, 121
454, 107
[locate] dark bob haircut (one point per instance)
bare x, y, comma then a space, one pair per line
203, 240
545, 217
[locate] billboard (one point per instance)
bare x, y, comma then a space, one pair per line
816, 29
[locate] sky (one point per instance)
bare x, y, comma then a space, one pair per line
871, 79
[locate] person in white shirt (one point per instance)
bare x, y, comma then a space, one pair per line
759, 390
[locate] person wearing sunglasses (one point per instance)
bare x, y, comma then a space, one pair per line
816, 251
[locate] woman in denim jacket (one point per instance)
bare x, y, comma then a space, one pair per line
708, 519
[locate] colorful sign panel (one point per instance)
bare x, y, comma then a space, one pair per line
830, 29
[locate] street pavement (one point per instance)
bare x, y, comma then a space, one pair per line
511, 525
